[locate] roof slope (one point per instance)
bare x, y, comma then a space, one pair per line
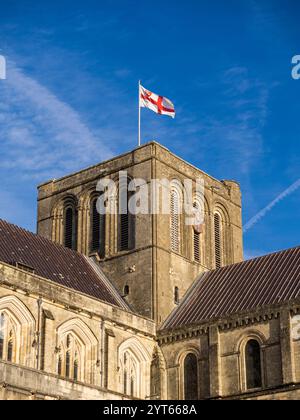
55, 262
263, 281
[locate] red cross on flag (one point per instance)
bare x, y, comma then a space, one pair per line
156, 103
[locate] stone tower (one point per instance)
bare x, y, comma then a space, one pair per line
143, 262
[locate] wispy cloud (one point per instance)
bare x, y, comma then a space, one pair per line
42, 135
247, 98
254, 220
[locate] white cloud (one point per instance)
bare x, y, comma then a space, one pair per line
42, 136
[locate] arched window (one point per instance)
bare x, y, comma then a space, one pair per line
70, 226
132, 386
134, 369
126, 290
125, 374
76, 363
68, 364
175, 220
190, 377
10, 347
126, 225
253, 365
218, 240
176, 295
59, 366
97, 223
77, 351
197, 228
129, 374
2, 332
17, 327
68, 356
7, 338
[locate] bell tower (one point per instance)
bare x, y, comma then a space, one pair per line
152, 259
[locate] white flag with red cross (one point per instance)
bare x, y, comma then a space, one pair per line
156, 103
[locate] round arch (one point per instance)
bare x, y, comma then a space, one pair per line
176, 194
222, 211
92, 229
58, 214
251, 335
180, 362
222, 236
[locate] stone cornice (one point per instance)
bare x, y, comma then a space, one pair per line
240, 320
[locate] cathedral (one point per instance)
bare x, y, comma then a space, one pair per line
143, 307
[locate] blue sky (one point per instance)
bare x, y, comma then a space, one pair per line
70, 98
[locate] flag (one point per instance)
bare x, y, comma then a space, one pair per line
156, 103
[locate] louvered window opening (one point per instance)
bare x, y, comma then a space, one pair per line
70, 241
97, 230
124, 232
218, 241
127, 229
197, 252
175, 220
197, 255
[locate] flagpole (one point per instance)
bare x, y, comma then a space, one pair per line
139, 124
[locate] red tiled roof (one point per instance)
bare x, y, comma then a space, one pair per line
55, 262
268, 280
